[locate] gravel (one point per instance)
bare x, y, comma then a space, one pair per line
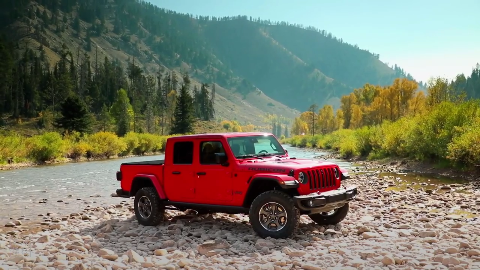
411, 229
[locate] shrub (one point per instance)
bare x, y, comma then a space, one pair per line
146, 143
131, 141
448, 131
78, 150
12, 147
45, 147
160, 143
105, 144
464, 149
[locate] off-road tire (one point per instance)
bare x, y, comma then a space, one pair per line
335, 218
279, 197
157, 207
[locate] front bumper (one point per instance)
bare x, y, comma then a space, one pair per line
325, 201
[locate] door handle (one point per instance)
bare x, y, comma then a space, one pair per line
201, 173
175, 172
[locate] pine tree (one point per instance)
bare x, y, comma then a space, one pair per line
105, 118
150, 91
76, 25
203, 103
75, 116
122, 111
184, 111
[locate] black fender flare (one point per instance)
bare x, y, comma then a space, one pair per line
283, 181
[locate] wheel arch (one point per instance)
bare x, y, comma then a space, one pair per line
146, 180
262, 184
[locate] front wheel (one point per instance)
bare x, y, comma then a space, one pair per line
331, 218
273, 214
149, 210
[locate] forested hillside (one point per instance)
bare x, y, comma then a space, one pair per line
50, 55
255, 65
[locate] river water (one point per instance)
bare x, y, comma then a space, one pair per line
68, 188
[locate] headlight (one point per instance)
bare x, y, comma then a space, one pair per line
335, 170
302, 178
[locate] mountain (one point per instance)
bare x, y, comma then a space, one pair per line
257, 66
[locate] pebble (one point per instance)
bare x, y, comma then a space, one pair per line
382, 230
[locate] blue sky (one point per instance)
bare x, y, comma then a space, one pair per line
427, 38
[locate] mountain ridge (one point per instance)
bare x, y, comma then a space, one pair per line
283, 77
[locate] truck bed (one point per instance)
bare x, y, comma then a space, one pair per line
148, 162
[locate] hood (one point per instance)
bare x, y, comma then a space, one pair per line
281, 164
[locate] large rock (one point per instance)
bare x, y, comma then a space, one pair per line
207, 246
134, 256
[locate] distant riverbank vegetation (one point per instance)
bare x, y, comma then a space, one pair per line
53, 146
50, 145
441, 125
82, 111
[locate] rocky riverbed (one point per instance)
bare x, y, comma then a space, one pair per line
409, 229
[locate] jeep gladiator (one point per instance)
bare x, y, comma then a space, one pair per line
237, 173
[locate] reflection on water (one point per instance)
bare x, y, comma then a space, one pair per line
430, 184
67, 188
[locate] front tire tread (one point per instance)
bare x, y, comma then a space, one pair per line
293, 214
158, 208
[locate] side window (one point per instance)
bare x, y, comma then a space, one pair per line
183, 153
208, 149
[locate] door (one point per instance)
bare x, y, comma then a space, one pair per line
213, 180
179, 174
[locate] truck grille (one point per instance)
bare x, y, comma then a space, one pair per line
321, 178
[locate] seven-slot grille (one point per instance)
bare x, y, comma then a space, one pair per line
321, 178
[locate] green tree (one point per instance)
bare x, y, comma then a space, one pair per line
184, 111
122, 112
105, 118
76, 25
75, 116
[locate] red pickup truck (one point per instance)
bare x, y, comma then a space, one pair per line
237, 173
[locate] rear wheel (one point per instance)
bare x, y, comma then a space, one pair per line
331, 218
148, 208
273, 214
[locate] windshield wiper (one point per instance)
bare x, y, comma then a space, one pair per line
271, 154
248, 156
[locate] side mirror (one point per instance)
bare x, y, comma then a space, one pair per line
222, 159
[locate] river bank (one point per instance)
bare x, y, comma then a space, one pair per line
20, 165
409, 229
54, 148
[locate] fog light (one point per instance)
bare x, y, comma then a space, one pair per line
310, 203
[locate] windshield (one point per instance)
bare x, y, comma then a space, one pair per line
255, 146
